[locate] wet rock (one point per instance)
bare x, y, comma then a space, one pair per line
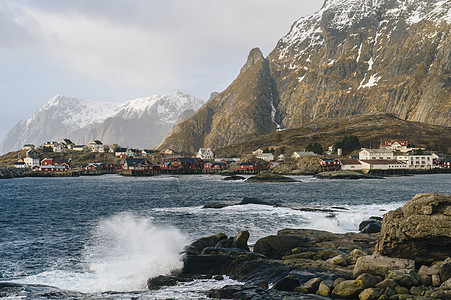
288, 283
371, 225
210, 241
276, 246
254, 200
216, 205
269, 177
234, 177
348, 289
345, 175
381, 265
240, 240
207, 264
160, 282
420, 230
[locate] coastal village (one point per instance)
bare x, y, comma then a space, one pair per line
390, 158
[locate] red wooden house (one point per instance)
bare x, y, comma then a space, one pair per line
250, 167
56, 164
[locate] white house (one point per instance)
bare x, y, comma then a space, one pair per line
351, 164
96, 146
265, 156
369, 154
281, 157
32, 161
28, 146
205, 154
298, 154
419, 162
56, 147
400, 146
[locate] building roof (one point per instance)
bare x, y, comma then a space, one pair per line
377, 150
189, 160
120, 150
350, 162
134, 161
96, 142
381, 162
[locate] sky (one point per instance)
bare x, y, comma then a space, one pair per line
118, 50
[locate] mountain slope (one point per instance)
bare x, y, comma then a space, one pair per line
370, 129
353, 57
363, 57
245, 109
139, 123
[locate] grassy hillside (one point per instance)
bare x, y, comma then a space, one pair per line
370, 129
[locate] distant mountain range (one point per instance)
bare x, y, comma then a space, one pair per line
352, 57
137, 123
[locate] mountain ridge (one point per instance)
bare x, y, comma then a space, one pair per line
83, 120
350, 58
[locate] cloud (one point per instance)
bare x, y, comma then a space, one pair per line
138, 43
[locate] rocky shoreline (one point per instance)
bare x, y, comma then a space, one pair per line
409, 259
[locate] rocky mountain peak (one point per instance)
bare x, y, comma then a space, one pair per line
255, 56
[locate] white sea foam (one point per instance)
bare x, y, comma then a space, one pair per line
124, 252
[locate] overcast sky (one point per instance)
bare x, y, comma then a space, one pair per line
118, 50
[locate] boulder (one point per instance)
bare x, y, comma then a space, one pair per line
323, 289
445, 271
371, 225
354, 255
348, 289
312, 285
370, 294
386, 283
381, 265
276, 246
288, 283
368, 280
339, 260
435, 280
240, 240
210, 241
405, 278
214, 264
420, 230
432, 270
161, 281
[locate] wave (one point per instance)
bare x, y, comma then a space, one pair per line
123, 252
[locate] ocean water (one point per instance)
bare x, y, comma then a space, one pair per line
105, 236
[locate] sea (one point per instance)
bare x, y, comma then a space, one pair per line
102, 237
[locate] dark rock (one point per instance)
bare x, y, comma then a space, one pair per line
210, 241
312, 285
225, 243
218, 277
386, 283
405, 278
234, 177
254, 200
269, 177
288, 283
371, 225
276, 246
207, 264
368, 280
256, 271
425, 280
240, 240
216, 205
418, 290
345, 175
420, 230
161, 281
233, 252
445, 271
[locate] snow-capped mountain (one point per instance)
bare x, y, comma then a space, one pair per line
141, 122
352, 57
